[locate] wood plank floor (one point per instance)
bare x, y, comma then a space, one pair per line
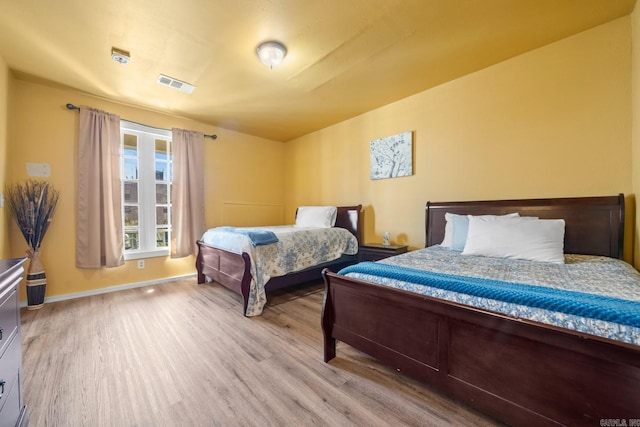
182, 354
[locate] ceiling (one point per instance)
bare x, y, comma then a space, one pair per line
345, 57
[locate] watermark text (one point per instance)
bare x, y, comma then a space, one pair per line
620, 422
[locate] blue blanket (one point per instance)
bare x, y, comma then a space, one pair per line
569, 302
257, 236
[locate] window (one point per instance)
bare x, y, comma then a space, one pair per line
146, 188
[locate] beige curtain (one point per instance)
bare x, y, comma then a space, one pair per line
187, 219
99, 217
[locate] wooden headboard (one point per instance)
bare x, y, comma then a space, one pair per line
593, 225
350, 217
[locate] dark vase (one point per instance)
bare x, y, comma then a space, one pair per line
36, 282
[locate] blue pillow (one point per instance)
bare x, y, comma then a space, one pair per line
460, 230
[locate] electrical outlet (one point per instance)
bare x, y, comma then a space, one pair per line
140, 264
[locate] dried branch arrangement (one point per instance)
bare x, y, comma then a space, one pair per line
32, 204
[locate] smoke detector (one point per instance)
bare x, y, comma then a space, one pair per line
175, 83
120, 56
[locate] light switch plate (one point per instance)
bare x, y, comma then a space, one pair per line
41, 170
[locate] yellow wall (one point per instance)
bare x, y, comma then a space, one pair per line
4, 112
635, 82
43, 130
553, 122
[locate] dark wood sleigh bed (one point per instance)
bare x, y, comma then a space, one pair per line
518, 371
233, 270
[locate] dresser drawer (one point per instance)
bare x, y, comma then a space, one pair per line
8, 317
9, 375
10, 411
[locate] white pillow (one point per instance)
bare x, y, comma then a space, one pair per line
448, 230
447, 242
520, 238
316, 216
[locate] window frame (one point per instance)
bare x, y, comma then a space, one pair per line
147, 224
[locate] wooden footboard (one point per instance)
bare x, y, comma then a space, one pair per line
230, 269
518, 371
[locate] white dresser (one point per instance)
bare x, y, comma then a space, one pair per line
13, 412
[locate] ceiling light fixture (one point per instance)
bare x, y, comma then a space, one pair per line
120, 56
271, 53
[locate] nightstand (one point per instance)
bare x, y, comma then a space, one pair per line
377, 251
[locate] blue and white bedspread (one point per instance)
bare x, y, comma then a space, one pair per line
296, 249
590, 294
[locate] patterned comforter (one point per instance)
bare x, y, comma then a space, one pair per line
580, 273
296, 249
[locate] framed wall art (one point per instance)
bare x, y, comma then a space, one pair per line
392, 156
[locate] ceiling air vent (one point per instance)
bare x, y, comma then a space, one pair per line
175, 83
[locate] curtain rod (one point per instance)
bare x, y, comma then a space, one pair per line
73, 107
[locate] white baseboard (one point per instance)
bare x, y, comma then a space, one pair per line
112, 289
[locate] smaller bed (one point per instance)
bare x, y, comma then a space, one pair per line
518, 370
235, 269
